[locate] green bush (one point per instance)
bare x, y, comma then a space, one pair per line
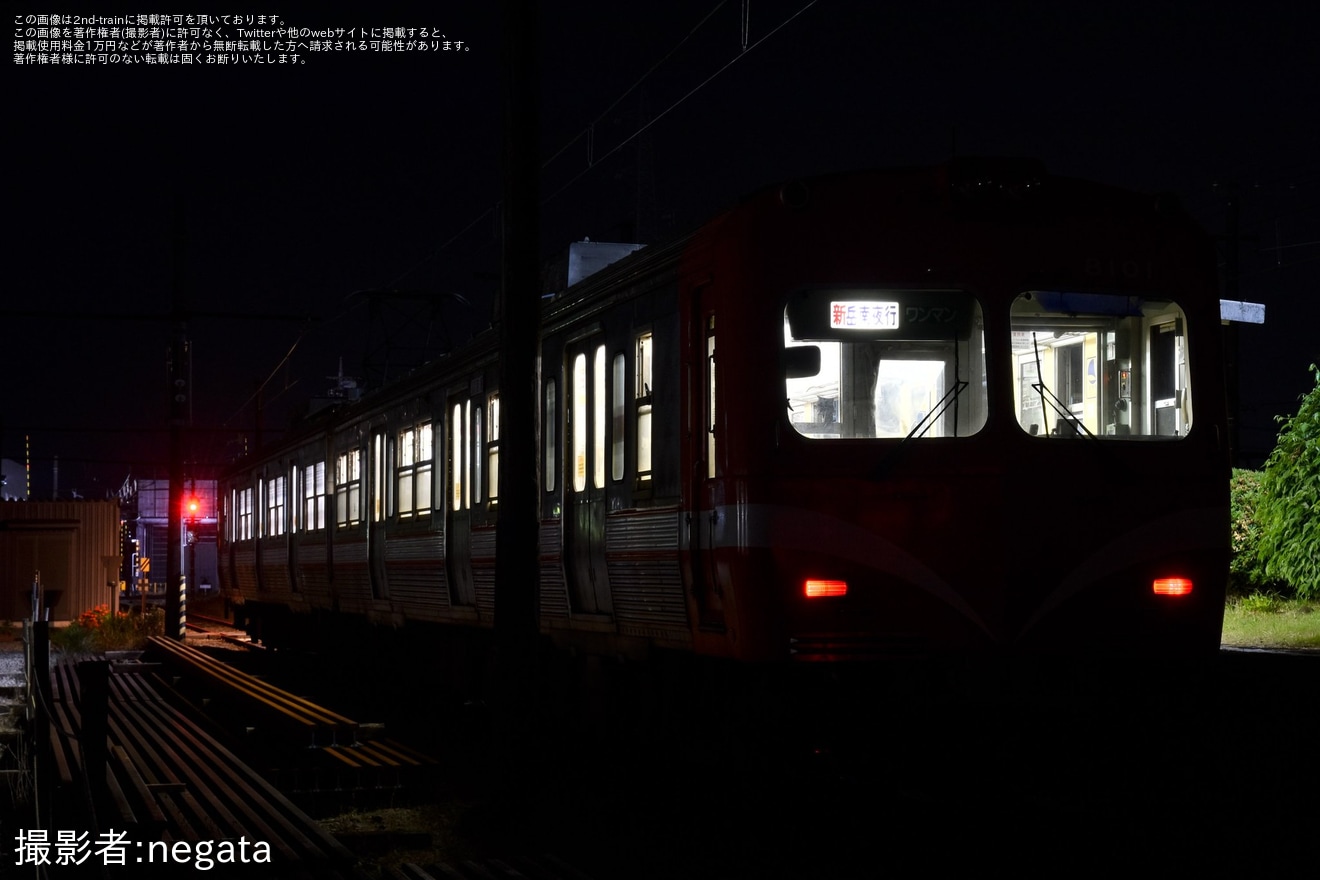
1260, 603
1246, 571
1288, 507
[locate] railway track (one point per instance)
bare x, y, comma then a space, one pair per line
219, 628
321, 758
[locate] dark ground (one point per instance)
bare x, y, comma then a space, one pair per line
903, 770
906, 770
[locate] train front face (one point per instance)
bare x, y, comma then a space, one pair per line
1004, 436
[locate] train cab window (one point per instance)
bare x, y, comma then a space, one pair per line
872, 364
348, 488
644, 401
313, 497
413, 476
1100, 365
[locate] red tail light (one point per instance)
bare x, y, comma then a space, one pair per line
1172, 586
817, 588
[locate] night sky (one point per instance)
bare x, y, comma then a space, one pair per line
306, 186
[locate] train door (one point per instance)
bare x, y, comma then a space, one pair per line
1166, 384
458, 507
703, 518
584, 489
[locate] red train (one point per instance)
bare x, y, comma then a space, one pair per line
967, 408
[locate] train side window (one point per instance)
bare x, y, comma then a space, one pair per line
457, 483
1100, 365
243, 505
478, 442
710, 398
406, 473
493, 445
644, 398
260, 516
619, 422
314, 496
293, 498
379, 488
348, 488
275, 507
577, 423
548, 423
598, 414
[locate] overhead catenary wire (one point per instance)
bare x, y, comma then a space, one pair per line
588, 132
676, 104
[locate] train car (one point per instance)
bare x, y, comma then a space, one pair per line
968, 408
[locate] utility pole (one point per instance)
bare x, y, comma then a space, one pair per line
1232, 269
180, 407
518, 317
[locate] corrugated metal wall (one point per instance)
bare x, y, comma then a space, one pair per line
75, 546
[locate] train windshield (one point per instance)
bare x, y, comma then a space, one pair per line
866, 364
1100, 365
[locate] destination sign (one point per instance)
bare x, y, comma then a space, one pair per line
863, 315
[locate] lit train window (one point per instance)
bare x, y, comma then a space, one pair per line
348, 488
620, 392
1100, 365
246, 526
406, 474
380, 455
425, 468
293, 497
598, 414
548, 431
413, 474
493, 445
710, 398
314, 496
578, 422
457, 483
478, 441
874, 364
644, 402
275, 506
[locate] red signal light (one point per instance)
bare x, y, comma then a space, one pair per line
1172, 586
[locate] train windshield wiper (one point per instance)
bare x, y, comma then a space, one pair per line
924, 425
1060, 409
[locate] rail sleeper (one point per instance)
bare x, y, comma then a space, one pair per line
310, 723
